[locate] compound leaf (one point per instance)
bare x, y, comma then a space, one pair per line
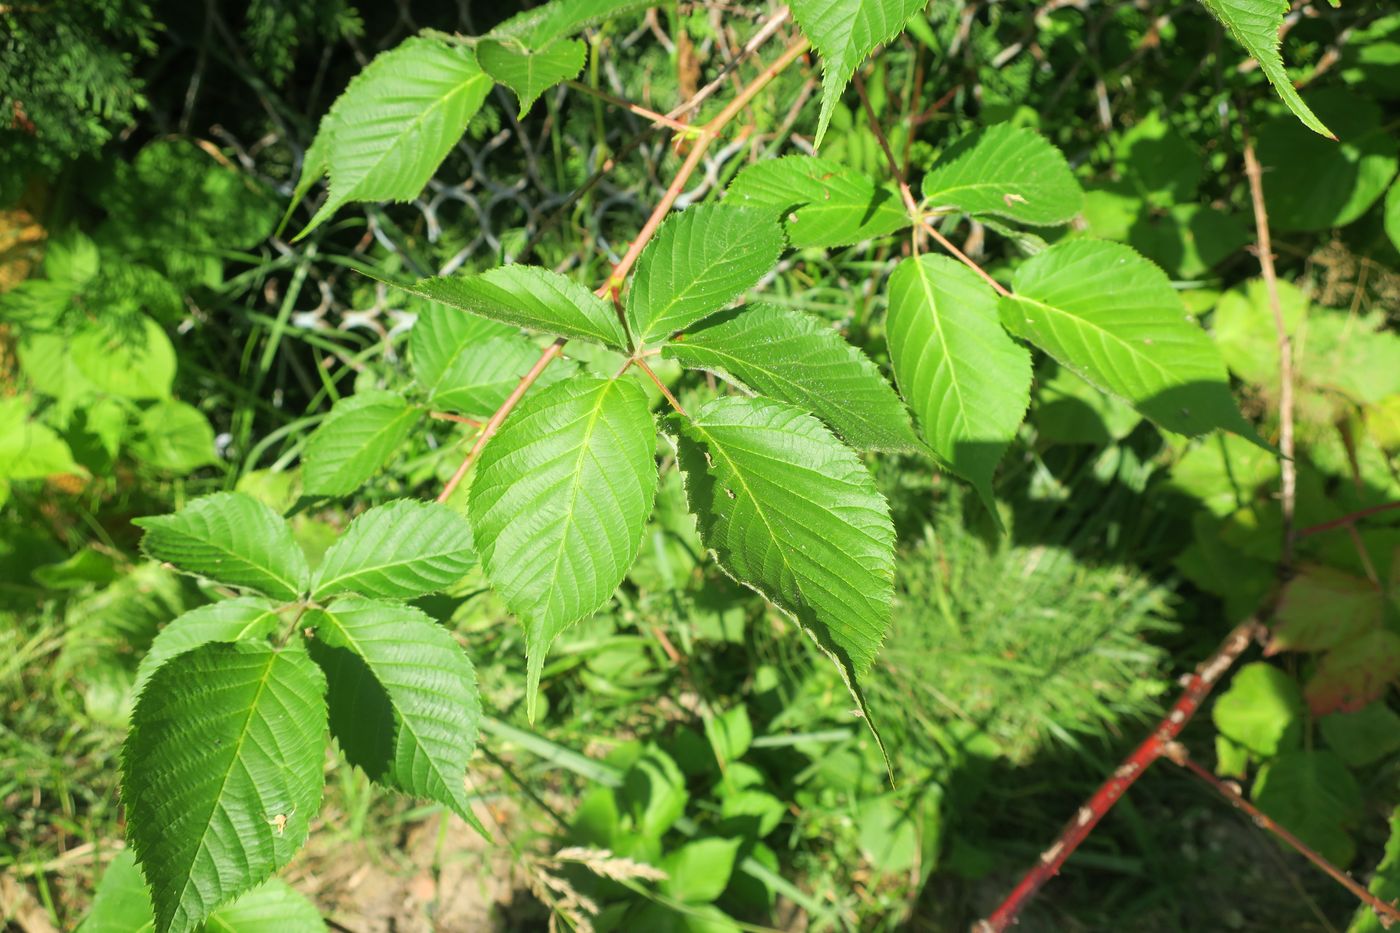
1114, 318
799, 358
700, 260
529, 297
231, 538
967, 380
845, 32
221, 774
790, 511
229, 620
559, 501
398, 550
1005, 171
530, 74
385, 136
827, 204
361, 432
1255, 25
403, 699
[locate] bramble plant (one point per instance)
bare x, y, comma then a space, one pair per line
222, 769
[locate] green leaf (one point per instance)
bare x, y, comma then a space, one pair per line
247, 618
653, 793
1363, 737
845, 32
1354, 674
698, 872
175, 437
1321, 607
529, 297
357, 438
480, 377
221, 774
121, 903
1392, 214
1255, 25
131, 358
399, 550
791, 512
1114, 318
730, 734
403, 699
544, 24
1261, 711
1385, 884
559, 501
440, 335
968, 381
1005, 171
1312, 794
801, 359
232, 538
826, 203
400, 116
530, 74
28, 449
700, 260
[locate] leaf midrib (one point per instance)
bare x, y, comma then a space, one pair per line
1126, 345
266, 570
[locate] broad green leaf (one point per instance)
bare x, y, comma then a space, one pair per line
967, 380
698, 872
28, 449
559, 501
544, 24
1005, 171
88, 567
122, 904
530, 74
1392, 214
131, 358
529, 297
175, 437
1255, 25
1363, 737
399, 550
1313, 795
653, 793
1312, 183
1114, 318
700, 260
845, 32
825, 203
1385, 884
1261, 711
247, 618
1355, 673
221, 774
440, 335
1321, 607
232, 538
792, 512
403, 699
481, 376
395, 122
357, 438
1070, 411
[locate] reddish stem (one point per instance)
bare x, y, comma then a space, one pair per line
1198, 686
1348, 519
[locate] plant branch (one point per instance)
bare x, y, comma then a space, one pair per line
1289, 487
1197, 687
706, 136
657, 119
1350, 518
642, 365
459, 419
1387, 913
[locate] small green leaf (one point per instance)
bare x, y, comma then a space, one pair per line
730, 734
1255, 25
801, 359
232, 538
1114, 318
1392, 214
480, 377
826, 203
175, 437
966, 379
385, 136
121, 903
1320, 607
28, 449
247, 618
1385, 884
791, 512
440, 335
355, 440
1363, 737
1261, 710
403, 698
700, 260
1355, 673
1005, 171
698, 872
399, 550
549, 22
221, 774
1313, 795
559, 501
131, 358
845, 32
530, 74
529, 297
